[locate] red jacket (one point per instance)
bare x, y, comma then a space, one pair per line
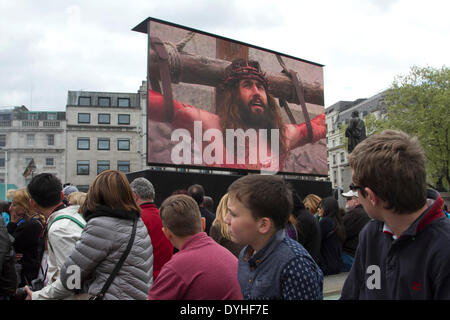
162, 248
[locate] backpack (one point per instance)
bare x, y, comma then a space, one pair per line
8, 276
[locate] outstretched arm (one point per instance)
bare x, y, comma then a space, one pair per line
297, 134
184, 114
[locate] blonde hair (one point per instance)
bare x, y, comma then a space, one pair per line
22, 198
10, 193
221, 212
77, 198
312, 202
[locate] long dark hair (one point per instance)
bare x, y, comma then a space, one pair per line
331, 210
230, 117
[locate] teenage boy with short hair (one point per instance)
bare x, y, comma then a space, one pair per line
271, 266
403, 253
202, 269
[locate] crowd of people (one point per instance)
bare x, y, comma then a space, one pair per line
263, 241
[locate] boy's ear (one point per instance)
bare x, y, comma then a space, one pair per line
203, 223
264, 225
167, 233
372, 196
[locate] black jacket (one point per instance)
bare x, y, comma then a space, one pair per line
8, 278
414, 266
331, 247
354, 221
209, 217
27, 242
308, 232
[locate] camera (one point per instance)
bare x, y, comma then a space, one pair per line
36, 285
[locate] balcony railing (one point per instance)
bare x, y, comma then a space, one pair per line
36, 124
30, 123
51, 123
5, 123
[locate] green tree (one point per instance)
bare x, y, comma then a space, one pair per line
419, 104
374, 125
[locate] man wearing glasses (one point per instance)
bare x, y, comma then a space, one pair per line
403, 253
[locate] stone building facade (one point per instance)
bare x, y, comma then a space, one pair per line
338, 115
28, 137
104, 131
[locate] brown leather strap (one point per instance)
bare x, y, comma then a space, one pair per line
301, 98
284, 104
164, 72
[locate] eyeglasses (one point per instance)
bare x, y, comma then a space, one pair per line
355, 187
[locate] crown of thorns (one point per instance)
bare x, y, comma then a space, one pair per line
239, 72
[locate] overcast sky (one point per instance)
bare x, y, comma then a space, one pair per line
51, 46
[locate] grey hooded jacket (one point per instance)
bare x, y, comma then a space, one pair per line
102, 243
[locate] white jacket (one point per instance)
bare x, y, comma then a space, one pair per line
61, 239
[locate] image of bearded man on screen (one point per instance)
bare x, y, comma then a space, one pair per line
247, 105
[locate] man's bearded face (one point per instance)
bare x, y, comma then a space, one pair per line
253, 100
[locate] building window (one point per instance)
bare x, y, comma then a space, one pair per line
83, 167
123, 144
2, 140
52, 116
104, 118
2, 162
334, 159
30, 139
104, 102
84, 118
342, 157
84, 101
51, 139
123, 166
123, 119
102, 165
335, 177
103, 144
50, 162
32, 116
123, 102
83, 143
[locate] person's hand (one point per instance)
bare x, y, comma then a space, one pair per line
29, 292
19, 256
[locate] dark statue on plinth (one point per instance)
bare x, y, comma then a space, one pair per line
356, 131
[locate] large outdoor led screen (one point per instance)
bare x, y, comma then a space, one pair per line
222, 104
